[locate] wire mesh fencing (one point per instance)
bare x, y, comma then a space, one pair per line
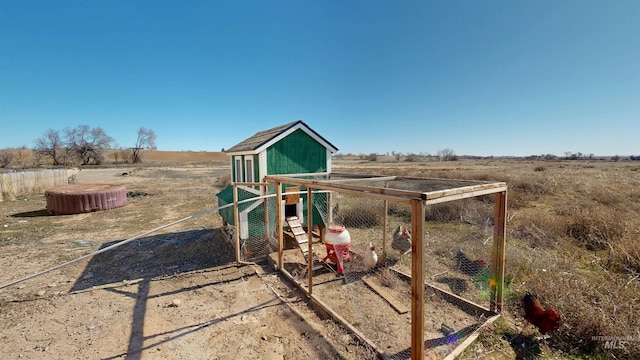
352, 252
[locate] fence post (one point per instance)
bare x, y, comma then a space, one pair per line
280, 224
499, 236
236, 220
310, 238
417, 279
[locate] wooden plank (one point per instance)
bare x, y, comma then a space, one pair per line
451, 295
371, 192
395, 304
297, 231
470, 339
435, 197
294, 198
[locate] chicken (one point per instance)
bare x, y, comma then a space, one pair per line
370, 258
545, 320
401, 240
335, 210
468, 266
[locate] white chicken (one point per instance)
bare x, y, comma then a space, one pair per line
370, 258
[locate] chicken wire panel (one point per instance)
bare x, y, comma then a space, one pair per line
458, 247
360, 286
258, 228
375, 296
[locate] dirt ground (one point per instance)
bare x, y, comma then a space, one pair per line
173, 294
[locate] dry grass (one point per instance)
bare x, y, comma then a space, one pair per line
572, 240
358, 214
24, 158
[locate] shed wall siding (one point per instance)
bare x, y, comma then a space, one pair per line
295, 154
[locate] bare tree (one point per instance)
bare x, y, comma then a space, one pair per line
6, 157
125, 154
447, 155
146, 140
88, 145
50, 145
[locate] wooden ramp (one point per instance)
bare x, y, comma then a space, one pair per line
303, 240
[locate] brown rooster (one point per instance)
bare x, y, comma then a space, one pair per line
545, 320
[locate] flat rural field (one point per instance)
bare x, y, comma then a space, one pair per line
572, 233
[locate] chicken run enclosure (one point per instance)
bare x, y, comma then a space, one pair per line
439, 244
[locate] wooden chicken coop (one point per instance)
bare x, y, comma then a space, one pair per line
449, 284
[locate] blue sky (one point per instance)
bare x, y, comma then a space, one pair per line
480, 77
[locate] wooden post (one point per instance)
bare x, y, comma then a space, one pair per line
236, 221
499, 236
384, 228
417, 279
329, 209
265, 207
310, 237
280, 224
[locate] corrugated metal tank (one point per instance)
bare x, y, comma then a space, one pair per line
83, 198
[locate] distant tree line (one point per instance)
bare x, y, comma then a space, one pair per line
441, 155
84, 145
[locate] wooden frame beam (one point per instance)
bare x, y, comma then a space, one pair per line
499, 239
417, 279
236, 221
280, 225
418, 201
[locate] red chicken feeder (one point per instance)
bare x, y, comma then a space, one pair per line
337, 242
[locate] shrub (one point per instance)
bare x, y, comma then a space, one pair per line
444, 212
625, 256
537, 228
397, 209
412, 158
224, 181
595, 228
359, 215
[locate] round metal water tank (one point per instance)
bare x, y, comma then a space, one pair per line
83, 198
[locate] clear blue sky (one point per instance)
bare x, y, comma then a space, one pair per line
480, 77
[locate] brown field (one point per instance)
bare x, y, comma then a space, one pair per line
573, 240
21, 159
181, 156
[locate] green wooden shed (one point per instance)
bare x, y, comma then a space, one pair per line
291, 149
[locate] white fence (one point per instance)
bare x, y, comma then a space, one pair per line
25, 182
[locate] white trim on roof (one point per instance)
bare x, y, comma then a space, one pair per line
288, 132
244, 152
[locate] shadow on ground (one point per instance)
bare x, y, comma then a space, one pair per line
155, 256
36, 213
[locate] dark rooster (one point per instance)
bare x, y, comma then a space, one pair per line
545, 320
468, 266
